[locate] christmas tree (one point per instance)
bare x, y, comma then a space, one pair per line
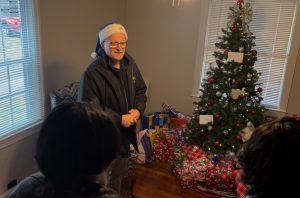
230, 95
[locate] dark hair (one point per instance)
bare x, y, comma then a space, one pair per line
76, 140
269, 159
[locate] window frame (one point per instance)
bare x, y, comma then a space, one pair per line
30, 42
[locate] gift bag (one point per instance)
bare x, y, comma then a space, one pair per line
145, 149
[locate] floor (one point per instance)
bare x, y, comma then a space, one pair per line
156, 180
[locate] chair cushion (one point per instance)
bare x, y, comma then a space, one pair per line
66, 94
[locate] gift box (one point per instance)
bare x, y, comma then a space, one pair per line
168, 137
193, 152
163, 148
179, 157
179, 136
155, 120
178, 122
185, 181
193, 172
221, 177
190, 172
241, 188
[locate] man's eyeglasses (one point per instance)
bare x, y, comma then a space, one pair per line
114, 44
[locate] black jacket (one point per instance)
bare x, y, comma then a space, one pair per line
100, 84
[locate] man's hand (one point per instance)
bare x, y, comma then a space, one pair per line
135, 113
128, 120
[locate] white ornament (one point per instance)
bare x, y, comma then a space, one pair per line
219, 94
249, 124
94, 55
236, 93
246, 133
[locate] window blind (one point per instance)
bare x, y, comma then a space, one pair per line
272, 25
21, 93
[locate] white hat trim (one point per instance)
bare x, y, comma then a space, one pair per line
110, 30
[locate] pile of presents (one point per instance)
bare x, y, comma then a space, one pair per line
190, 164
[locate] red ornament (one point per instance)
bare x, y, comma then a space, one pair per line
233, 28
253, 111
217, 143
226, 52
238, 137
240, 3
259, 89
253, 52
217, 115
209, 103
211, 79
236, 83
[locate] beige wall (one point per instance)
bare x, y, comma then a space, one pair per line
294, 97
163, 40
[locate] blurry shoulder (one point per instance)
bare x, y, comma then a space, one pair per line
32, 186
108, 193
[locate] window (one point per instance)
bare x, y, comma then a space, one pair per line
272, 24
21, 94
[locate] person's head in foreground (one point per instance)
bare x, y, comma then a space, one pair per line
269, 159
77, 141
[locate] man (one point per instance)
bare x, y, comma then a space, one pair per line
114, 81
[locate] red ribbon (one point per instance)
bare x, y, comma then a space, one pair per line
240, 2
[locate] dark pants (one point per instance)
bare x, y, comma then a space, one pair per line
113, 175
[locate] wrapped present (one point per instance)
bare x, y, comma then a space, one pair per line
185, 180
193, 152
179, 157
172, 111
196, 169
168, 136
221, 177
163, 150
241, 188
190, 172
179, 136
178, 122
155, 120
193, 172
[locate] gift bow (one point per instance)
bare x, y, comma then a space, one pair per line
245, 13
